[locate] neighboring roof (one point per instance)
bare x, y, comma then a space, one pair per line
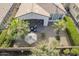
40, 8
59, 5
77, 4
4, 8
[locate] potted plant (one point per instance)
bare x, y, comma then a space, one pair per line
43, 35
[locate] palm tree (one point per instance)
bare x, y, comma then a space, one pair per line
59, 25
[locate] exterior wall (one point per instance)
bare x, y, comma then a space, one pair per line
35, 16
46, 21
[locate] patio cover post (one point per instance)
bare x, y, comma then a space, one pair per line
46, 22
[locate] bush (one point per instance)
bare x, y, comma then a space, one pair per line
72, 31
7, 43
75, 51
45, 49
2, 36
66, 51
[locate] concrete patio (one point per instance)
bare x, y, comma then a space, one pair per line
49, 36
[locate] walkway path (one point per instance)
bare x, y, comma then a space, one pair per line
64, 40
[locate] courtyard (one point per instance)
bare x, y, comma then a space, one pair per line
48, 35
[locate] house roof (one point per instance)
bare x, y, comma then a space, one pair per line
40, 8
4, 8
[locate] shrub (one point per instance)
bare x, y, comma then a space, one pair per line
72, 31
66, 51
2, 36
75, 51
45, 49
6, 43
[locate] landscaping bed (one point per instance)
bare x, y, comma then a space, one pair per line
16, 30
69, 52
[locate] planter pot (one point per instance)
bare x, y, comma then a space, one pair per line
58, 37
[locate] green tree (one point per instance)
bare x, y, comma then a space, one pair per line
59, 25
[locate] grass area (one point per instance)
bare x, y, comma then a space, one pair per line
72, 31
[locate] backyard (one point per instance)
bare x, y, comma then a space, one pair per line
59, 34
